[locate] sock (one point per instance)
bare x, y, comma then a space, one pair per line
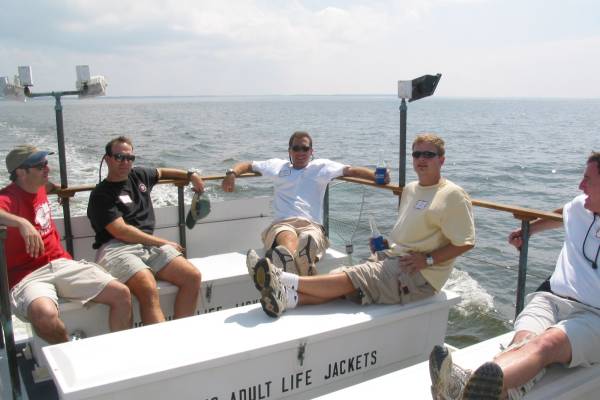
292, 297
289, 280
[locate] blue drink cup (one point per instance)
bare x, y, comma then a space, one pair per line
377, 243
380, 175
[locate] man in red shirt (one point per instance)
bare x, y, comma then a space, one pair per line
40, 271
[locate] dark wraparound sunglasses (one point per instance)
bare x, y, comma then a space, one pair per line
124, 157
426, 154
303, 149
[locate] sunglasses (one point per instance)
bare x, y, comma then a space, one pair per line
426, 154
303, 149
39, 166
120, 157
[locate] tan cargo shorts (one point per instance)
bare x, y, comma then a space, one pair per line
73, 280
382, 282
298, 226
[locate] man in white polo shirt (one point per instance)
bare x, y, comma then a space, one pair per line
561, 322
296, 240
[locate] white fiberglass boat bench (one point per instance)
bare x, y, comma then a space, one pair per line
559, 383
225, 280
241, 353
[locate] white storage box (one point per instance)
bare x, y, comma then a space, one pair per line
241, 353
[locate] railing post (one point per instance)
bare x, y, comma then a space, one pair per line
402, 158
326, 212
522, 267
64, 183
7, 328
181, 212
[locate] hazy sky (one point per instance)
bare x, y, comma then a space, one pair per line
496, 48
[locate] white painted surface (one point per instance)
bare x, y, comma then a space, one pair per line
217, 355
414, 382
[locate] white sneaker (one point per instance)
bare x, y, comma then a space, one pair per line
273, 294
251, 260
283, 259
307, 255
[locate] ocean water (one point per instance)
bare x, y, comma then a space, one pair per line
524, 152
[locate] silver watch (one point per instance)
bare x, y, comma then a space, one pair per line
429, 260
230, 171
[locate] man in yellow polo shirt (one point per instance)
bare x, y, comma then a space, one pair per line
434, 226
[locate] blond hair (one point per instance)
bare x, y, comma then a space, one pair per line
432, 138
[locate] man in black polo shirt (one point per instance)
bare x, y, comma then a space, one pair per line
120, 210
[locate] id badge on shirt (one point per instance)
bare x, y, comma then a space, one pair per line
284, 172
421, 204
125, 199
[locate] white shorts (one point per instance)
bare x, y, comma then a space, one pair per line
580, 322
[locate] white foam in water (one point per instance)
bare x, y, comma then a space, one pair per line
473, 296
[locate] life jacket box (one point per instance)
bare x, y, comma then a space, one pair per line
559, 382
241, 353
225, 284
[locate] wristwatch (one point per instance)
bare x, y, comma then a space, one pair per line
230, 171
429, 260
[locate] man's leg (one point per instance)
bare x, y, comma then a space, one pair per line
287, 239
324, 288
43, 315
524, 363
118, 298
187, 278
143, 286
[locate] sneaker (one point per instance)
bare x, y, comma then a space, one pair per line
283, 259
447, 379
251, 260
273, 296
485, 383
307, 255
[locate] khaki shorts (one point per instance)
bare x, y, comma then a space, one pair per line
123, 260
382, 282
580, 322
298, 226
73, 280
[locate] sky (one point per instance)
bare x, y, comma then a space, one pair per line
482, 48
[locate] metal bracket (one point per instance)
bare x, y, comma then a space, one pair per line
301, 353
208, 292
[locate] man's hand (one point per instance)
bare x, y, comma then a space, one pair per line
412, 262
516, 238
34, 245
176, 245
197, 183
228, 183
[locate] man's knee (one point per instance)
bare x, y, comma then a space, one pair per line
44, 316
115, 294
193, 277
553, 346
143, 286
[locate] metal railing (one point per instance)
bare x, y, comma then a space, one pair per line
526, 215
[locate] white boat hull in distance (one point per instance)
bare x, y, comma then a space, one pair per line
240, 354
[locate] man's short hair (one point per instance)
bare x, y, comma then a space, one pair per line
433, 139
13, 176
595, 157
120, 139
299, 135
